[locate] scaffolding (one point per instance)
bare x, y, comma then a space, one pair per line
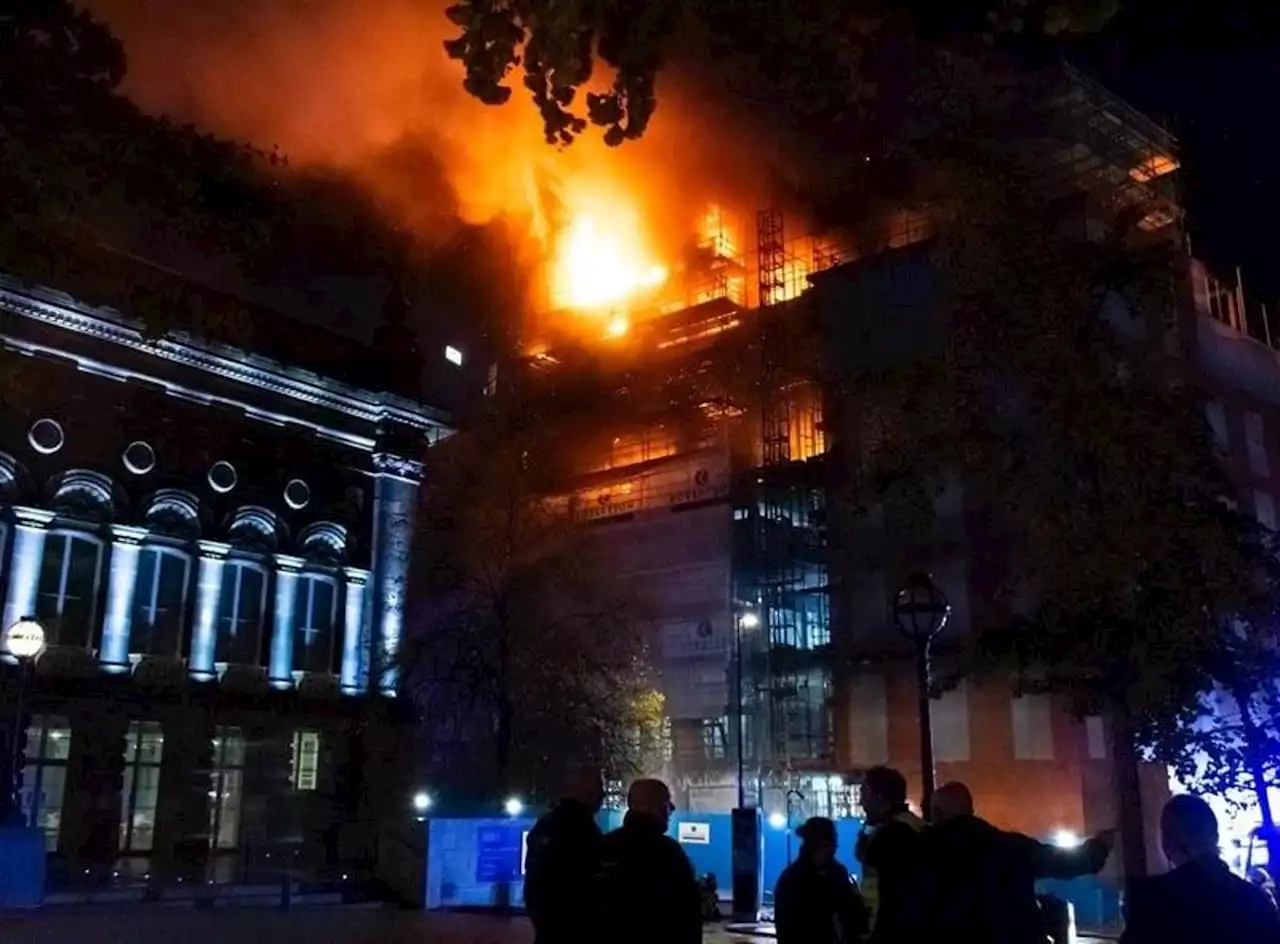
1098, 142
780, 561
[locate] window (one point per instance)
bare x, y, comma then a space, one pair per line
714, 739
44, 778
1255, 436
1033, 727
306, 759
226, 782
67, 600
1264, 509
143, 751
159, 602
1095, 733
241, 609
1217, 417
315, 616
951, 726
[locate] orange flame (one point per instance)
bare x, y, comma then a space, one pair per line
366, 90
600, 258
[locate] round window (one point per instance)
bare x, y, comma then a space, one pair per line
222, 476
139, 458
297, 494
46, 436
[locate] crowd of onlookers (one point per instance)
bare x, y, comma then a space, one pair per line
954, 877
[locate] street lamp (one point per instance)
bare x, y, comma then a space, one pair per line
921, 610
24, 640
745, 620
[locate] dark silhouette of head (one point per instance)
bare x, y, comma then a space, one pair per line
818, 838
884, 792
1188, 829
585, 783
951, 800
652, 800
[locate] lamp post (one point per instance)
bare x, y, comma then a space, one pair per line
744, 620
748, 841
921, 610
24, 640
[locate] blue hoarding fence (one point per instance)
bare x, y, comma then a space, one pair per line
469, 859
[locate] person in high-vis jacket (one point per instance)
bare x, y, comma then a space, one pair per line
890, 849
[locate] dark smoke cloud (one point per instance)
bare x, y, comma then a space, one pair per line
367, 89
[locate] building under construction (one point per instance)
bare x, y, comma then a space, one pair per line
711, 488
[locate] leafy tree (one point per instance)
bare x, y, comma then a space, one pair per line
824, 59
523, 653
1054, 396
1228, 744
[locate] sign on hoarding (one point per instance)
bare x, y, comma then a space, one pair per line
697, 834
498, 853
689, 639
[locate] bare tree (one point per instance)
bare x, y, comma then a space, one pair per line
523, 652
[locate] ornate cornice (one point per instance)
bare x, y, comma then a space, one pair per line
220, 360
127, 534
33, 517
288, 564
387, 463
213, 550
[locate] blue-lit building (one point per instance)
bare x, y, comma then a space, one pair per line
216, 544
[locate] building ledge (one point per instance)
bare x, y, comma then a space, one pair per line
254, 371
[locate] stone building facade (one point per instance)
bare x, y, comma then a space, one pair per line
216, 544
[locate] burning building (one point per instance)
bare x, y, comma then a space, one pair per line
715, 491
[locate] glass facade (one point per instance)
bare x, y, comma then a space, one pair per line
315, 616
241, 609
67, 596
44, 778
305, 763
143, 754
226, 788
159, 602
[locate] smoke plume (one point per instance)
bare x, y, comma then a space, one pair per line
365, 89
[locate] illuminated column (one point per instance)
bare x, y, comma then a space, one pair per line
126, 546
354, 677
204, 635
281, 669
395, 499
24, 571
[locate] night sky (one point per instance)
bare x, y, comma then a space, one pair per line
1210, 72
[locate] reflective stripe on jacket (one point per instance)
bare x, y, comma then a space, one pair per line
870, 880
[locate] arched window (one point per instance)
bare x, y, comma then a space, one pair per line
67, 598
160, 601
242, 607
315, 615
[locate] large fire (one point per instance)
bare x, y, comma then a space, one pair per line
366, 89
598, 261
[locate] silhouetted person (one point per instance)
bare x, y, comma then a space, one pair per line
982, 880
651, 894
1260, 878
1200, 899
889, 850
563, 865
816, 902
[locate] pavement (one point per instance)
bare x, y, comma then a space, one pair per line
162, 924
